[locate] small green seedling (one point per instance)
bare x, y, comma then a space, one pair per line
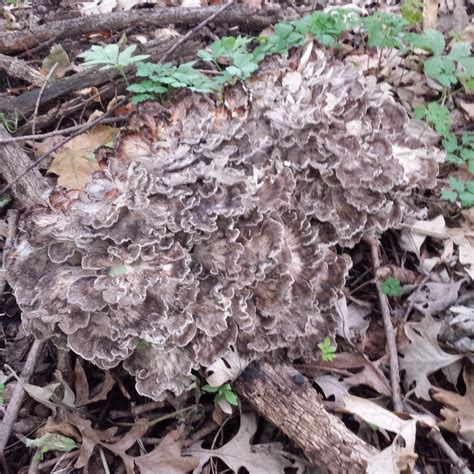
10, 124
50, 442
460, 151
391, 287
328, 351
224, 392
384, 30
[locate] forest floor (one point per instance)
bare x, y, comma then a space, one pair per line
401, 374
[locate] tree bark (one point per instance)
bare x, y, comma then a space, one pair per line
240, 15
32, 189
289, 401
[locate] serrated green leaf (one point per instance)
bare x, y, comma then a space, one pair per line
467, 199
467, 154
450, 143
451, 158
459, 50
456, 184
470, 186
391, 287
451, 196
468, 65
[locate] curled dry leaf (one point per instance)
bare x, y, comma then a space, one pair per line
423, 356
75, 162
459, 413
238, 452
83, 396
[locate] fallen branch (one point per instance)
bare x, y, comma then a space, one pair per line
289, 401
374, 246
18, 395
30, 189
93, 77
18, 69
239, 15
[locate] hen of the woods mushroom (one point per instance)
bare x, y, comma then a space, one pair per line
214, 224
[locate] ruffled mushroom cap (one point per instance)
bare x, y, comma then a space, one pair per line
215, 225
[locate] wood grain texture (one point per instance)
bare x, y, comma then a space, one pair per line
289, 401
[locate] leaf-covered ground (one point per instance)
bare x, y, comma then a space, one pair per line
77, 418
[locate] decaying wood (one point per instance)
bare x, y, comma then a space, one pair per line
289, 401
239, 15
18, 69
93, 77
31, 189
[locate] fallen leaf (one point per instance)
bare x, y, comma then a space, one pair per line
435, 297
75, 162
393, 459
57, 56
238, 452
226, 369
423, 356
82, 386
354, 326
459, 417
166, 458
333, 386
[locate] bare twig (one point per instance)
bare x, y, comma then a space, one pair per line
55, 133
437, 437
192, 32
18, 395
374, 246
38, 100
84, 128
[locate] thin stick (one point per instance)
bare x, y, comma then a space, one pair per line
62, 131
192, 32
18, 395
40, 95
389, 332
81, 130
437, 437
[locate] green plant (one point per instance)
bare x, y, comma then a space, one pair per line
458, 64
460, 151
391, 287
224, 392
162, 79
384, 30
436, 115
10, 124
462, 191
327, 27
110, 57
50, 442
328, 351
412, 11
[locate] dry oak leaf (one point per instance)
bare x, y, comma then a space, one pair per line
166, 458
75, 162
81, 384
423, 356
459, 417
238, 452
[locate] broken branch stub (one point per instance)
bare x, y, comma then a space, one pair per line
215, 224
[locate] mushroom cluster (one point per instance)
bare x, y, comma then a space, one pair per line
216, 223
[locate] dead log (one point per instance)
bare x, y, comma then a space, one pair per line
25, 104
288, 400
31, 189
20, 70
239, 15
